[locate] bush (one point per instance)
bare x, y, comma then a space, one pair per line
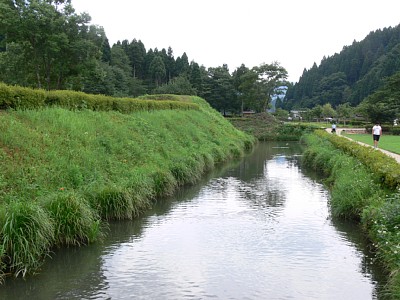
386, 168
395, 130
16, 97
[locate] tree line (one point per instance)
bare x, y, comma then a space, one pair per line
360, 74
46, 44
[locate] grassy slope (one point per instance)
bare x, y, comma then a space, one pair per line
266, 127
63, 171
263, 126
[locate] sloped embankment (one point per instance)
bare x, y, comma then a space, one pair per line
64, 172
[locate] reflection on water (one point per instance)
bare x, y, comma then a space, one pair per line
256, 229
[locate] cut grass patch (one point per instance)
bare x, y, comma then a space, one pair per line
387, 142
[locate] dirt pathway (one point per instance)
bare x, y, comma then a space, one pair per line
391, 154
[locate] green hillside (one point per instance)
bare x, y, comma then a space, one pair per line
351, 75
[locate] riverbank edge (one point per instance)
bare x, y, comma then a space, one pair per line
364, 186
73, 213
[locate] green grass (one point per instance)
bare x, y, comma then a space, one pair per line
352, 184
266, 127
64, 173
386, 142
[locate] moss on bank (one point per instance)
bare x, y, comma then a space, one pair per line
63, 172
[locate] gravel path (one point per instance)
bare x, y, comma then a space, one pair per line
391, 154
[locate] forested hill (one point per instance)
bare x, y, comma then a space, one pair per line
351, 75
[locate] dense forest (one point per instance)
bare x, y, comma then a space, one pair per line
46, 44
349, 76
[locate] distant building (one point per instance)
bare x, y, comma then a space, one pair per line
248, 113
296, 114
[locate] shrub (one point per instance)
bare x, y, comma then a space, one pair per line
160, 97
20, 97
395, 130
16, 97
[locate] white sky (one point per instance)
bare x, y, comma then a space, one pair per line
296, 33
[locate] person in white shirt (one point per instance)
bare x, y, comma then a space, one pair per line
376, 134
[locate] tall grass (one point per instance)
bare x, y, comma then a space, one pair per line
75, 223
75, 169
26, 235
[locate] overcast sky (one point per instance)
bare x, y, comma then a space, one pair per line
296, 33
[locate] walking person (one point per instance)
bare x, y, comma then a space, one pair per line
333, 127
376, 134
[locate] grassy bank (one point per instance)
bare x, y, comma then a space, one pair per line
363, 191
65, 172
265, 127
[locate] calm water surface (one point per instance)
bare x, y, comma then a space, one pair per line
255, 229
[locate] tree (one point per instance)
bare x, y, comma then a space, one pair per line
169, 62
351, 75
344, 111
316, 112
270, 77
53, 43
328, 111
106, 51
121, 82
157, 70
137, 54
100, 80
281, 114
120, 59
179, 86
182, 64
256, 86
244, 81
384, 104
331, 88
195, 77
223, 97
